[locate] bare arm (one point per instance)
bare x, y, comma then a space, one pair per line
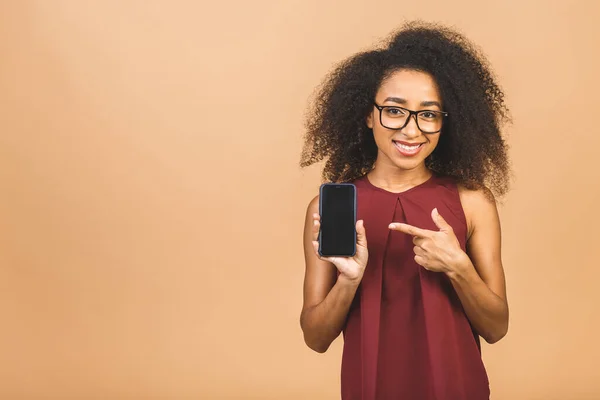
479, 278
327, 297
477, 275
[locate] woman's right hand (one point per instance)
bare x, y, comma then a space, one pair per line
350, 268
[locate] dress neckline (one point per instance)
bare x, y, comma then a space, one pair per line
369, 183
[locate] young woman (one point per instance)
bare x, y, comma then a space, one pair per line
416, 126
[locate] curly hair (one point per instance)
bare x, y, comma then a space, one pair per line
471, 148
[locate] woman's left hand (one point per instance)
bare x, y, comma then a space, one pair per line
437, 251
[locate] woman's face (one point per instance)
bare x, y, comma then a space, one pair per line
408, 147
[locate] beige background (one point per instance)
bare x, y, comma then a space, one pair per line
151, 206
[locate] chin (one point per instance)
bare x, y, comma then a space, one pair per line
404, 162
408, 164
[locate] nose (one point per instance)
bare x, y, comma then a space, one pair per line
411, 129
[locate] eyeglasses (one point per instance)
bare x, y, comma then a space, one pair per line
394, 117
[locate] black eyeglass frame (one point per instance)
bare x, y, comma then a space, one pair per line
410, 114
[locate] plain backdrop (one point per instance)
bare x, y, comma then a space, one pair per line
151, 203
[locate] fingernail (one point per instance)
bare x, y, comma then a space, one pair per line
392, 226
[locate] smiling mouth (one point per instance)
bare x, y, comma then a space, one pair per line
406, 149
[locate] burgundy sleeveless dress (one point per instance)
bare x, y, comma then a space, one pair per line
407, 335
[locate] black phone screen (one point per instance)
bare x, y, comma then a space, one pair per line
337, 236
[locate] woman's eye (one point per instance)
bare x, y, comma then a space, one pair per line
429, 115
395, 112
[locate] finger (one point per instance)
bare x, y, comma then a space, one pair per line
418, 240
440, 222
424, 243
421, 261
361, 234
419, 251
315, 230
410, 230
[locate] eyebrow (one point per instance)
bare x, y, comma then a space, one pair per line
395, 100
431, 103
400, 100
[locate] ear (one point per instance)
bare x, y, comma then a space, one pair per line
370, 120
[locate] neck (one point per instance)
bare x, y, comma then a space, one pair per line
389, 176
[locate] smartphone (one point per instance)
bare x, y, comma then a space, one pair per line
337, 207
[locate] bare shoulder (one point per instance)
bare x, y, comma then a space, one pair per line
481, 197
479, 206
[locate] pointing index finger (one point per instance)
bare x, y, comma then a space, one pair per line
409, 229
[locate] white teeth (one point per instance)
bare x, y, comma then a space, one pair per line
407, 148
